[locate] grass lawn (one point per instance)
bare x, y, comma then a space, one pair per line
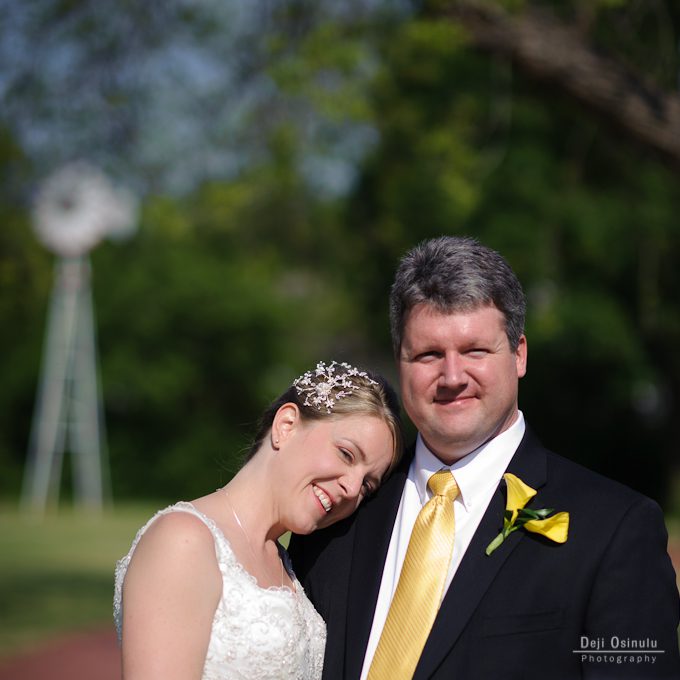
56, 572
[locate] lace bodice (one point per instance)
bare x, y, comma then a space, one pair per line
257, 633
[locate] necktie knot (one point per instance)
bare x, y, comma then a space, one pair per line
443, 483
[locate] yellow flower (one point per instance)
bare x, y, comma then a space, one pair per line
519, 494
556, 528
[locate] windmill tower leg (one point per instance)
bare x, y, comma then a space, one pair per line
67, 410
85, 423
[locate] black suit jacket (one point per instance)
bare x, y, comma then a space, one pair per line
527, 610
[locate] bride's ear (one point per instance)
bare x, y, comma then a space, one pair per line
285, 422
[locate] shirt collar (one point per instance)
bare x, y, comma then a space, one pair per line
475, 473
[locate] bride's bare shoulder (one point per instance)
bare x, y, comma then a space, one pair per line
176, 536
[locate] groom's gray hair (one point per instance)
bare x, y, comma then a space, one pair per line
456, 274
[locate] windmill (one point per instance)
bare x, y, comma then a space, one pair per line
74, 210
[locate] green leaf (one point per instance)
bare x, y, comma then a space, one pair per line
494, 544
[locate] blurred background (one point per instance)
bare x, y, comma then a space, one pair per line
284, 156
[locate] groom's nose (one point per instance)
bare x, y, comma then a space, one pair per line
452, 373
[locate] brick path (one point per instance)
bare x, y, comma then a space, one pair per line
84, 656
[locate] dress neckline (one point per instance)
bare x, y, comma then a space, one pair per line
212, 524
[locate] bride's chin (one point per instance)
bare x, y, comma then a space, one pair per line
303, 529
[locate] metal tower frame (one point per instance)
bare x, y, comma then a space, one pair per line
68, 413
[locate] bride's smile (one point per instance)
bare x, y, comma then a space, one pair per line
323, 497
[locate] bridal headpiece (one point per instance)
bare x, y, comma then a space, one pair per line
327, 384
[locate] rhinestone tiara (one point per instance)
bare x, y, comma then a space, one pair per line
325, 385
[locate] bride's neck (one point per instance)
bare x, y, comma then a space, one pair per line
251, 495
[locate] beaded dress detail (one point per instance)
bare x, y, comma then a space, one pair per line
257, 633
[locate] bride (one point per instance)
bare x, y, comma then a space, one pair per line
206, 591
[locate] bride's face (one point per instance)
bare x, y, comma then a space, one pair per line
330, 466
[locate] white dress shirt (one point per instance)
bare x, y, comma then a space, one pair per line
477, 475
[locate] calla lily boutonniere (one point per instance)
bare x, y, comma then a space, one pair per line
517, 516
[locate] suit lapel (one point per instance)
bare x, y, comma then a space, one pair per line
373, 530
477, 570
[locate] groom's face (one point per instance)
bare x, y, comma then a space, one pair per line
459, 377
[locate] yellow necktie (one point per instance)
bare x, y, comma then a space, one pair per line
421, 583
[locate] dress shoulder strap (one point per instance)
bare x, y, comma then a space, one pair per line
181, 506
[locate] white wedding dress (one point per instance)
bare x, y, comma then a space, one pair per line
257, 633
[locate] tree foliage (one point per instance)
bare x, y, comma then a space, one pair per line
474, 145
312, 148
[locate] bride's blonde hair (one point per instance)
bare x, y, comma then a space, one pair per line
335, 391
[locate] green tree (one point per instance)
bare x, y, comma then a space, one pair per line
472, 144
289, 153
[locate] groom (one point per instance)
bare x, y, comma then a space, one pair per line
408, 590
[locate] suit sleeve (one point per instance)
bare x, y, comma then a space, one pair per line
634, 602
307, 559
298, 556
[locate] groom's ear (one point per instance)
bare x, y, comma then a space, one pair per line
521, 357
285, 423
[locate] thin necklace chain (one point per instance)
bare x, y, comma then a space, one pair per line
243, 531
